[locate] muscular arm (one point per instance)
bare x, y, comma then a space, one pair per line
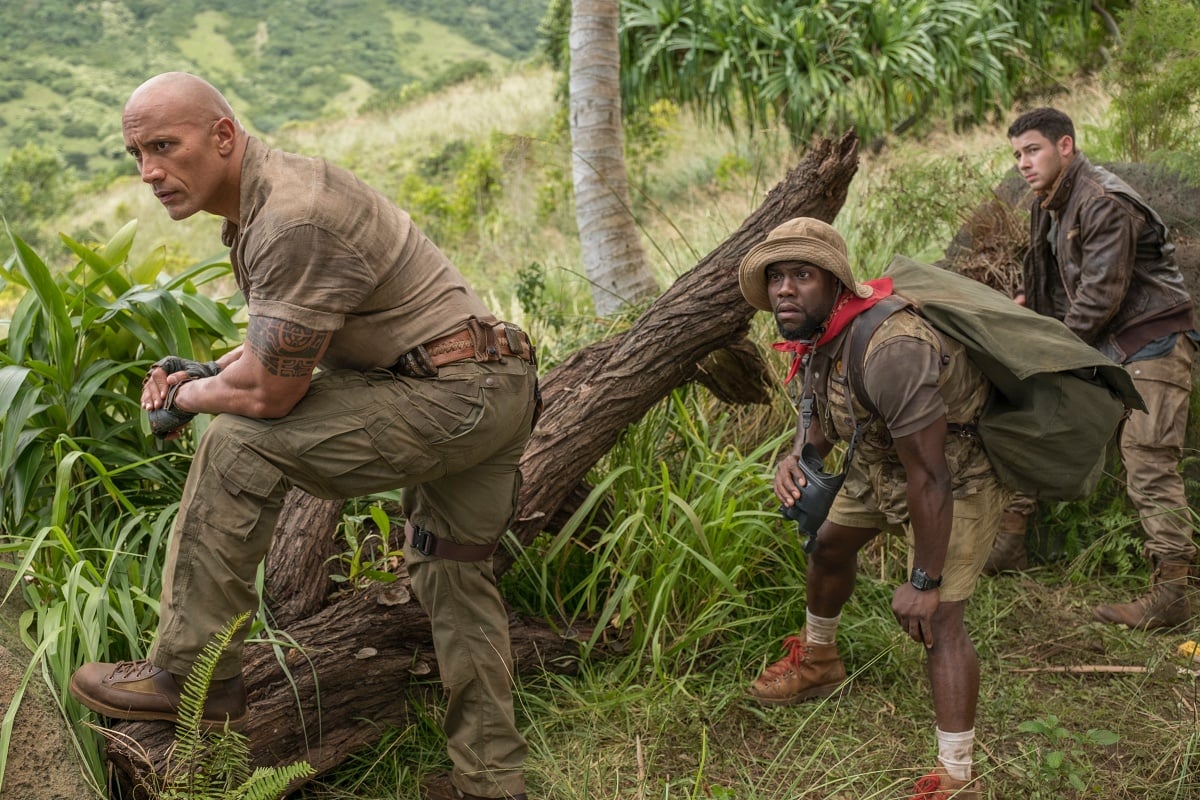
930, 502
264, 378
931, 514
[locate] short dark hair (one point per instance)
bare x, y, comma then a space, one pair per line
1049, 122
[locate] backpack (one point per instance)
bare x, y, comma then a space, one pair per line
1055, 402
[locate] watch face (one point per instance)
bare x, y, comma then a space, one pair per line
922, 581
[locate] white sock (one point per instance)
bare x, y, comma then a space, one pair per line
821, 630
954, 751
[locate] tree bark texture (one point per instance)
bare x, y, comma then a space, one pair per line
613, 258
355, 660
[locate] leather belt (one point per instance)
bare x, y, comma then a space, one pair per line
481, 341
458, 347
428, 544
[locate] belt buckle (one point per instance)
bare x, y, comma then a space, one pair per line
423, 541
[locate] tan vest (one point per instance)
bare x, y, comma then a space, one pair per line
875, 469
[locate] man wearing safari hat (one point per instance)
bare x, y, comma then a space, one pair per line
914, 468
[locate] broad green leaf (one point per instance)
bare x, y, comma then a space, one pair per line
166, 318
61, 331
201, 272
107, 271
151, 267
84, 391
12, 378
216, 317
116, 250
22, 328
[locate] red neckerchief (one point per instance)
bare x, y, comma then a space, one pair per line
847, 307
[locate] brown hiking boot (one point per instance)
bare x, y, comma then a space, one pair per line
440, 787
140, 690
1008, 551
807, 672
938, 785
1166, 605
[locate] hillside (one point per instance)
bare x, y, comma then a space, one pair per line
278, 60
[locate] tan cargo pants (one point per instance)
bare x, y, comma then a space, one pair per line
453, 443
1151, 446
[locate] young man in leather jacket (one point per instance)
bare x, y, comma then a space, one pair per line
1101, 260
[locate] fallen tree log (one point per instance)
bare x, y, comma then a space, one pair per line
354, 660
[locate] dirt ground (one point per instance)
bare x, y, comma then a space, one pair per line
42, 762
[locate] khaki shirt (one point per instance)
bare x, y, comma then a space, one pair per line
914, 375
316, 246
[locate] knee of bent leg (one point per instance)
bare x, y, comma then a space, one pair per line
835, 546
231, 486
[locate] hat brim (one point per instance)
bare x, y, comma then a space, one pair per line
752, 273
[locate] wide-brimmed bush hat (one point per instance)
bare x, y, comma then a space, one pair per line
801, 239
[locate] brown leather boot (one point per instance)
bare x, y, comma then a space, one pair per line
807, 672
140, 690
1008, 551
440, 787
1166, 605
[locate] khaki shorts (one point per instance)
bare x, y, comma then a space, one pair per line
976, 521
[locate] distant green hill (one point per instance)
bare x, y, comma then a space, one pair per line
70, 64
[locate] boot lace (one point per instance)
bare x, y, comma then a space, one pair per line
797, 650
131, 669
929, 787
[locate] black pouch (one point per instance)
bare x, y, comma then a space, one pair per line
816, 498
416, 363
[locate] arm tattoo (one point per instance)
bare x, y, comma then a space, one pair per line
285, 348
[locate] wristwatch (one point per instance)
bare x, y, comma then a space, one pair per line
922, 581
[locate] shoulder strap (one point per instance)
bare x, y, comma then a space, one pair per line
861, 331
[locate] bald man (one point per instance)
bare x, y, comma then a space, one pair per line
419, 388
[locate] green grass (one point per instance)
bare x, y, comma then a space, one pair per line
619, 730
207, 48
430, 47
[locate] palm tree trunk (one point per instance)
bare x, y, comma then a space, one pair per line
613, 258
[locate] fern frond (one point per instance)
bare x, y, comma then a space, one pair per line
268, 783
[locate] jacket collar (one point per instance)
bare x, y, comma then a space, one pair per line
1056, 198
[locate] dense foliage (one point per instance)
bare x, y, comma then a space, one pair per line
819, 68
86, 503
1158, 96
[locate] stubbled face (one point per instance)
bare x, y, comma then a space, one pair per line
176, 154
1039, 160
802, 297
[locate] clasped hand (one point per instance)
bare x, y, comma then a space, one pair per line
914, 610
789, 480
160, 386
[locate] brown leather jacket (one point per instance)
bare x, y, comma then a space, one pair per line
1114, 281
